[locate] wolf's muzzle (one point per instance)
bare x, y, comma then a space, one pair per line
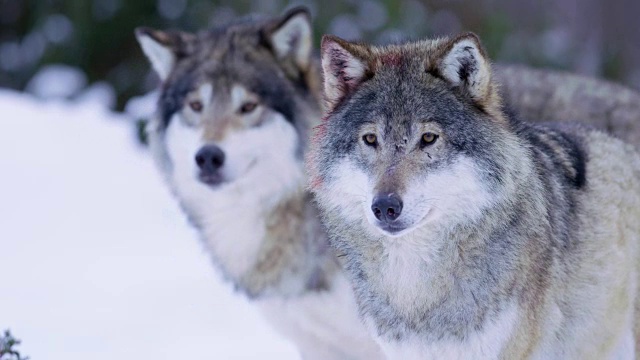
387, 207
210, 159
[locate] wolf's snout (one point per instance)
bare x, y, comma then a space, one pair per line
209, 159
387, 207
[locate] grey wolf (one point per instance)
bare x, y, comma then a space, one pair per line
236, 106
467, 233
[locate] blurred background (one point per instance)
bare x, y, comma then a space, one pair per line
97, 261
89, 44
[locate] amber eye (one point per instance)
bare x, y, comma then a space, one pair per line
429, 138
370, 139
196, 106
248, 107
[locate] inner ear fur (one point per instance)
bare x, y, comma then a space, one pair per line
291, 38
345, 65
163, 48
464, 64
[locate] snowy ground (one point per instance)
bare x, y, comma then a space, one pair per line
96, 260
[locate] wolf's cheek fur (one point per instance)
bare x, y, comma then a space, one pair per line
256, 157
445, 195
182, 143
270, 158
347, 191
438, 198
263, 169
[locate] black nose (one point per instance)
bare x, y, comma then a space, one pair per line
209, 159
387, 207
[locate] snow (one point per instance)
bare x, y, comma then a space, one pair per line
100, 93
142, 107
57, 81
96, 259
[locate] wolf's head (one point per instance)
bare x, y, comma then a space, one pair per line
236, 104
414, 134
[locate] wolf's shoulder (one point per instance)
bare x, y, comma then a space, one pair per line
575, 148
559, 148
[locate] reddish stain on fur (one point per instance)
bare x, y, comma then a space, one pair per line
315, 181
391, 59
319, 131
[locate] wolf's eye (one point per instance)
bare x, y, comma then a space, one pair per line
428, 138
196, 106
370, 139
248, 107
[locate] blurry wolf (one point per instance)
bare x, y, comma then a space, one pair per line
468, 234
237, 104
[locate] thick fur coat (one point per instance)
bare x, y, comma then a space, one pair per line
466, 233
236, 106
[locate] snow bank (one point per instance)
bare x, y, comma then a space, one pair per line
96, 260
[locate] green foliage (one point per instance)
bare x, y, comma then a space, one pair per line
7, 347
97, 35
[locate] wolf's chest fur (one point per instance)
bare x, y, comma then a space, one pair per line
485, 344
551, 281
413, 284
306, 319
270, 248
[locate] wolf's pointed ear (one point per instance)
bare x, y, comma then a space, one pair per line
161, 48
465, 65
291, 37
344, 67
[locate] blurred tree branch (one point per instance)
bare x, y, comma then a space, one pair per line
7, 347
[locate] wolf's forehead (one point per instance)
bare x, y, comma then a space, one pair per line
399, 92
227, 52
399, 109
230, 47
223, 93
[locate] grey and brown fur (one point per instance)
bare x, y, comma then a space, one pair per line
513, 240
544, 95
240, 53
251, 90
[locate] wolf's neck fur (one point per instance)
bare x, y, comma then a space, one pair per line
273, 247
443, 281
